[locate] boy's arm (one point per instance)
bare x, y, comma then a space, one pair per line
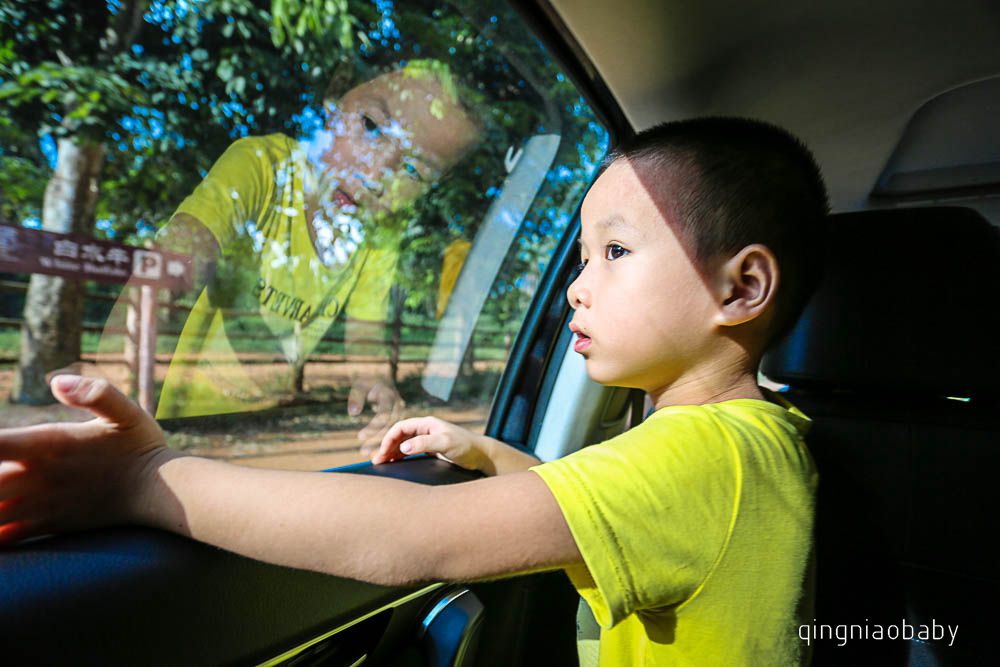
375, 387
430, 435
114, 469
364, 335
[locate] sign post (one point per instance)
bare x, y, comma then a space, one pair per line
147, 347
78, 257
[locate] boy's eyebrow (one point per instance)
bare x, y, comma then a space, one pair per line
610, 222
616, 220
427, 161
380, 103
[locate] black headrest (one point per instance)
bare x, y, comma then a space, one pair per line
909, 303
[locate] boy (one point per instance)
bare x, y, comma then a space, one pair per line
689, 536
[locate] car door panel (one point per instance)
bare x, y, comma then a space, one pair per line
138, 596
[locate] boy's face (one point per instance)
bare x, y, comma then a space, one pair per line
393, 136
643, 310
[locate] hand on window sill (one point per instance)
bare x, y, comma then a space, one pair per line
452, 443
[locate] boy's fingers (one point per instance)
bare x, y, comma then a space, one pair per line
421, 444
98, 396
388, 447
374, 429
14, 485
399, 431
356, 400
409, 436
72, 369
406, 428
403, 432
21, 528
15, 511
10, 470
18, 444
415, 445
14, 532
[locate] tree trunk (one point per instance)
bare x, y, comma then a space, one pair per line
131, 343
299, 378
53, 307
397, 299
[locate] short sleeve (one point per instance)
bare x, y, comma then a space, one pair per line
228, 199
370, 298
650, 511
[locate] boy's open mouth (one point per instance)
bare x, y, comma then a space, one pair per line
343, 199
582, 339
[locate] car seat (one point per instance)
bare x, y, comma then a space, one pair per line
895, 360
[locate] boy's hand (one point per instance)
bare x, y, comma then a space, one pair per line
386, 403
452, 443
71, 476
431, 435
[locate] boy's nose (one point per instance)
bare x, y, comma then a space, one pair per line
385, 166
578, 295
371, 184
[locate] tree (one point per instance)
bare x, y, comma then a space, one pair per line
127, 88
50, 336
140, 97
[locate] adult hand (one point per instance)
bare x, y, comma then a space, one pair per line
70, 476
386, 402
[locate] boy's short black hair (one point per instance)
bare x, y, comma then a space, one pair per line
732, 182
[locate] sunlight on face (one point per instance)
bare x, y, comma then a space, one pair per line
385, 143
642, 307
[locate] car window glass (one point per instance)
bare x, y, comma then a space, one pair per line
279, 226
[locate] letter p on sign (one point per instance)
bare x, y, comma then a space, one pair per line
147, 265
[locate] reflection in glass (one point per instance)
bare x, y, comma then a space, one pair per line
307, 230
367, 204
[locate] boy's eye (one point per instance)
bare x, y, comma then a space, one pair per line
412, 171
614, 251
371, 127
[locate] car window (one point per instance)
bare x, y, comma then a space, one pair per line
252, 216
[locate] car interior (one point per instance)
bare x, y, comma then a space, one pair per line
894, 360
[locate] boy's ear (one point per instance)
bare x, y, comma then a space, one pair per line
748, 283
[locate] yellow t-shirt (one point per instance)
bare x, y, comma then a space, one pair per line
272, 296
696, 534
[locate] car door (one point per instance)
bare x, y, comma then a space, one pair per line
130, 107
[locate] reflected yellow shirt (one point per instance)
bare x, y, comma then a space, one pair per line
451, 267
696, 533
272, 295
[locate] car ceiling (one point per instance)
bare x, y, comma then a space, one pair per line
845, 76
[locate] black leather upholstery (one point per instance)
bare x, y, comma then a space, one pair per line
910, 303
907, 509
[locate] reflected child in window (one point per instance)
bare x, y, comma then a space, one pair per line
298, 233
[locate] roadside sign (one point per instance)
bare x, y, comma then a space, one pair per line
24, 250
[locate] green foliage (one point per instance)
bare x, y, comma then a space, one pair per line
295, 20
23, 174
167, 98
169, 92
